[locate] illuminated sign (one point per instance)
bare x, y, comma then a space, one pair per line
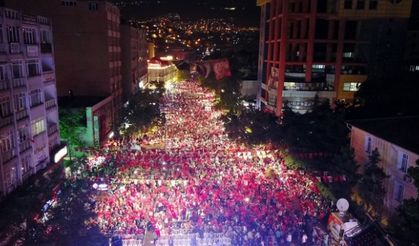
60, 154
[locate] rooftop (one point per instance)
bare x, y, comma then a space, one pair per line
79, 101
401, 131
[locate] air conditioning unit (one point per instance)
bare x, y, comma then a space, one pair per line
14, 48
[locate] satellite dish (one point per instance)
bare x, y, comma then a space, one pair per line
342, 205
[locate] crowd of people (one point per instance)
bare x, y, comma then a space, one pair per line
188, 178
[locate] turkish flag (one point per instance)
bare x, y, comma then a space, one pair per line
221, 69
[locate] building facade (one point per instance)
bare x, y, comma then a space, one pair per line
29, 134
396, 141
87, 46
325, 48
134, 59
161, 71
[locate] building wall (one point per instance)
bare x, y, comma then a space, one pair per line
325, 42
134, 58
391, 158
87, 45
162, 74
29, 131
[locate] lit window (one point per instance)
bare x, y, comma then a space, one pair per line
318, 66
348, 54
38, 126
350, 86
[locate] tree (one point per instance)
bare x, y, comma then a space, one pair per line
370, 187
404, 224
141, 110
345, 164
71, 128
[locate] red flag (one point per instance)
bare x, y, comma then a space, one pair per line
221, 69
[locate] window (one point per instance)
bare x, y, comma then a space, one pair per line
38, 126
414, 68
318, 66
403, 159
23, 134
45, 37
7, 143
1, 34
373, 4
33, 68
398, 192
13, 34
20, 101
93, 6
368, 144
17, 70
348, 4
360, 4
3, 74
36, 97
29, 36
350, 86
69, 3
5, 109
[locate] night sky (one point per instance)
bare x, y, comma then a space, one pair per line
246, 12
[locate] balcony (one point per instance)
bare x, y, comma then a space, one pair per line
22, 114
23, 146
6, 121
50, 103
18, 83
8, 155
36, 104
4, 85
52, 128
46, 48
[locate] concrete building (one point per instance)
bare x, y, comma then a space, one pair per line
325, 47
396, 139
29, 134
98, 114
134, 59
87, 45
161, 71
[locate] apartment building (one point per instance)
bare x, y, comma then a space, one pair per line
161, 70
325, 48
87, 46
396, 141
29, 136
134, 59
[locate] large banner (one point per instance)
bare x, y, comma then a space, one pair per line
220, 67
